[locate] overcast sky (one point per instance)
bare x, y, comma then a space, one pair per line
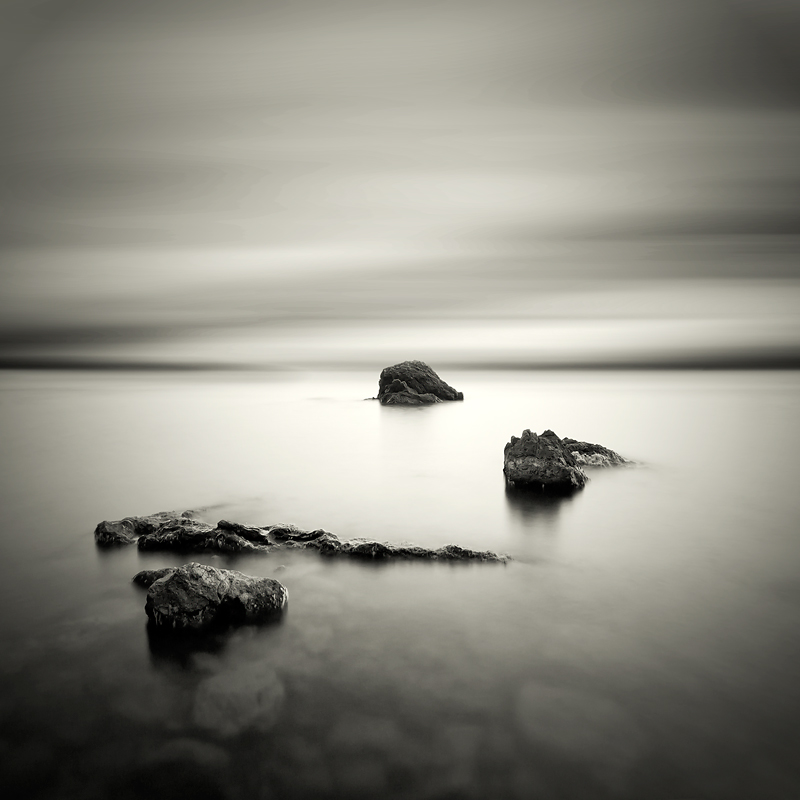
243, 170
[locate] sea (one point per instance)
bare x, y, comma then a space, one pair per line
642, 642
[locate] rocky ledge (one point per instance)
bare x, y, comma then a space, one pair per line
549, 463
183, 533
594, 455
413, 383
196, 597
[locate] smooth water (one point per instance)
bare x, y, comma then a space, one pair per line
644, 642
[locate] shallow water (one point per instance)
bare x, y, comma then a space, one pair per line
642, 644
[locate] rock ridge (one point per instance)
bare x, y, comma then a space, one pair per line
174, 531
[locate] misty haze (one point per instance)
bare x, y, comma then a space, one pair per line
220, 222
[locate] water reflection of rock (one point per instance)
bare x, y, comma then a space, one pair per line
169, 648
532, 504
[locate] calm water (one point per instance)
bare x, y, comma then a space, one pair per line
643, 644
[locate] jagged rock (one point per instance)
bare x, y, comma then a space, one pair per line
593, 455
543, 461
398, 393
329, 545
171, 530
197, 597
189, 536
413, 382
284, 533
147, 577
183, 534
128, 530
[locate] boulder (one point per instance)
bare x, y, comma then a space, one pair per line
593, 455
542, 461
197, 597
147, 577
398, 393
415, 383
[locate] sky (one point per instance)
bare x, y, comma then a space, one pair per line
521, 182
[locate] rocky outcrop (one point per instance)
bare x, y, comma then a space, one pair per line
593, 455
147, 577
185, 535
197, 597
413, 383
181, 532
398, 393
542, 461
328, 544
128, 530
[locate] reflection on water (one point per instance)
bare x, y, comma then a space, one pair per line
639, 648
176, 648
534, 503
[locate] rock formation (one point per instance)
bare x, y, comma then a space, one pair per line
542, 461
593, 455
183, 534
197, 597
413, 383
128, 530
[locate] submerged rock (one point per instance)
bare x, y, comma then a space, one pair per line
593, 455
413, 383
542, 461
181, 534
197, 597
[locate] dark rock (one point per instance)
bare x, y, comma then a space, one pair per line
117, 532
398, 393
170, 530
189, 536
330, 545
292, 533
593, 455
542, 461
129, 529
413, 382
147, 577
197, 597
185, 535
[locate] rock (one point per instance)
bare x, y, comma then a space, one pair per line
128, 530
183, 534
593, 455
542, 461
189, 536
293, 533
170, 530
147, 577
330, 545
398, 393
197, 597
413, 383
118, 532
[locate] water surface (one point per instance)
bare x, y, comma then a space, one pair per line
642, 644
